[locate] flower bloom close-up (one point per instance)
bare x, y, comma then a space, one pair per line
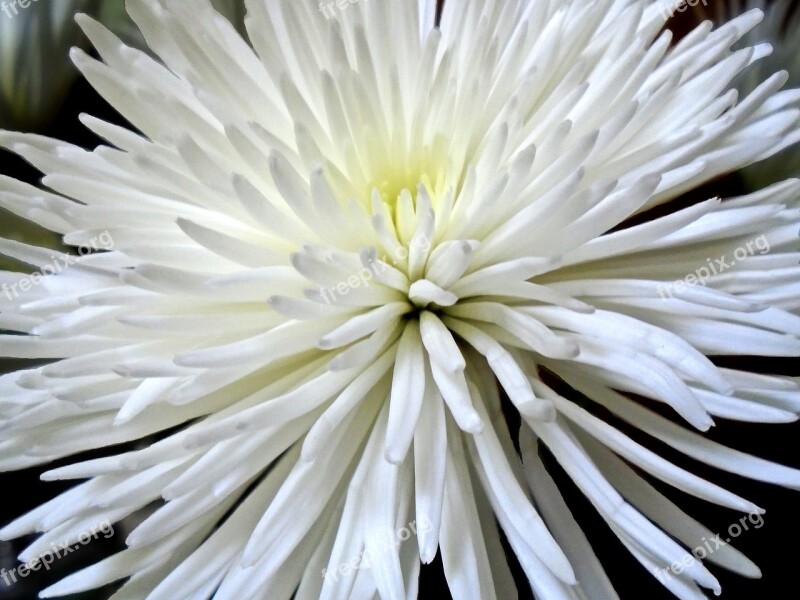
374, 273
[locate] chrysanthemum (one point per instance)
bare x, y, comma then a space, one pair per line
337, 245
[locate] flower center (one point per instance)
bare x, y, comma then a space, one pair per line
391, 185
390, 169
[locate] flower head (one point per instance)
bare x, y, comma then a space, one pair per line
333, 249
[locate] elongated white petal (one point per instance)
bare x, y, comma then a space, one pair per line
430, 466
408, 394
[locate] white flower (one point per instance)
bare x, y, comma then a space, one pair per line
331, 246
781, 29
35, 72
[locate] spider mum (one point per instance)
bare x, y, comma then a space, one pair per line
336, 245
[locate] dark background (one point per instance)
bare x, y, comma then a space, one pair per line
771, 547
